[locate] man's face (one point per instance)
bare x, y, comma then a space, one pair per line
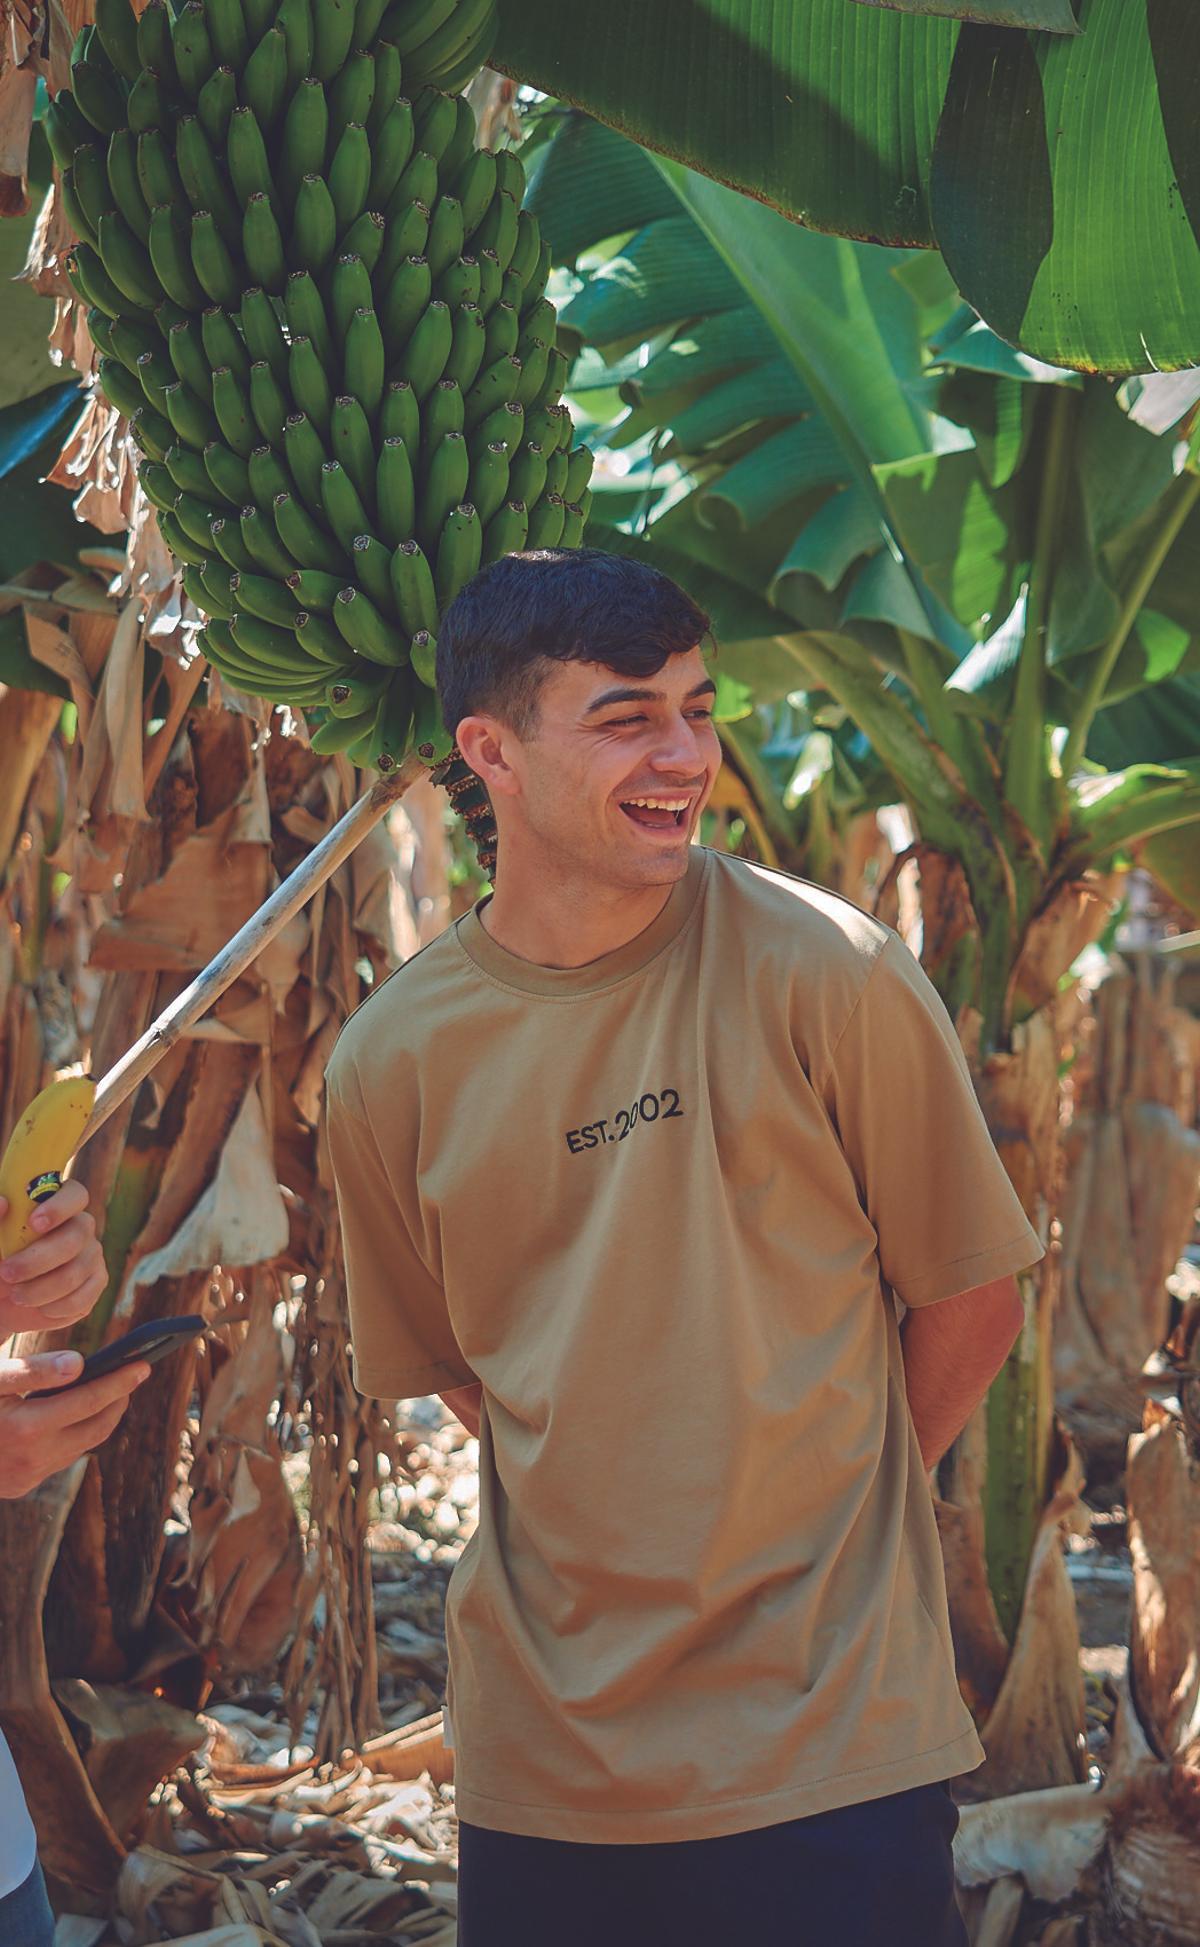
603, 746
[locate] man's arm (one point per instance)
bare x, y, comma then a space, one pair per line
952, 1352
464, 1402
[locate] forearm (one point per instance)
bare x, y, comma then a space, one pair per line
952, 1352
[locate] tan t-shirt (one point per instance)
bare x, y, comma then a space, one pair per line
658, 1205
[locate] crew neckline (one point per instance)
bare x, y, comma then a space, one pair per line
528, 977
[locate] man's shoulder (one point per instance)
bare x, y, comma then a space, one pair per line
780, 910
391, 1022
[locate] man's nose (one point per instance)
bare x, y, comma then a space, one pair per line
679, 749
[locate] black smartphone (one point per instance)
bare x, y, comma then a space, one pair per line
146, 1343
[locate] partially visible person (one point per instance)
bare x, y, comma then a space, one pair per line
51, 1283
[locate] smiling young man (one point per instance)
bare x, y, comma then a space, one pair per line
634, 1163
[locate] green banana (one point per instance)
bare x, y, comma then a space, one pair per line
351, 443
333, 30
308, 544
442, 413
319, 639
263, 545
229, 473
546, 522
349, 291
309, 385
528, 476
363, 750
409, 22
157, 173
191, 419
491, 277
423, 360
506, 532
342, 504
212, 262
444, 48
447, 237
181, 547
268, 403
261, 16
418, 181
538, 320
542, 428
462, 142
99, 95
67, 129
388, 76
422, 656
503, 330
75, 213
188, 471
371, 565
194, 589
349, 696
305, 135
227, 540
364, 362
191, 49
557, 372
404, 236
499, 227
556, 474
573, 526
407, 301
231, 405
510, 174
487, 488
265, 598
365, 238
350, 174
249, 167
579, 471
413, 587
215, 105
400, 415
294, 19
195, 517
155, 373
443, 485
434, 119
506, 424
459, 283
352, 89
535, 365
265, 79
100, 331
496, 386
395, 723
526, 252
126, 262
155, 49
227, 32
216, 582
90, 182
123, 182
264, 640
305, 455
260, 328
468, 338
262, 244
475, 184
395, 497
458, 552
121, 388
267, 477
170, 259
392, 141
154, 434
314, 225
314, 590
202, 179
366, 630
338, 733
147, 107
222, 343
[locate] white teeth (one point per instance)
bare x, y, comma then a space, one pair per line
660, 804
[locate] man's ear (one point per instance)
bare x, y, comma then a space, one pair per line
484, 744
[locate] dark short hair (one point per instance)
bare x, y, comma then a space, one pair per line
525, 611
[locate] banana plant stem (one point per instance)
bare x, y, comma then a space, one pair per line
1105, 659
1025, 763
247, 943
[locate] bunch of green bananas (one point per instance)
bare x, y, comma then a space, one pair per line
323, 310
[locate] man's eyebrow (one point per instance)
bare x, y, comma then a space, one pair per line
634, 695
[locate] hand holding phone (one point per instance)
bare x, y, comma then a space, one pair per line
145, 1345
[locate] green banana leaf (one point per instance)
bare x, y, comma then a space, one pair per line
1052, 16
997, 145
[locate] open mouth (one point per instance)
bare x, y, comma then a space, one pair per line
657, 814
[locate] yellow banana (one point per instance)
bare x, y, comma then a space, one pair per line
39, 1149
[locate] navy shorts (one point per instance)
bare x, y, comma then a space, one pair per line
872, 1875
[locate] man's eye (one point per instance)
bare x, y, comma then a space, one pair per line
614, 723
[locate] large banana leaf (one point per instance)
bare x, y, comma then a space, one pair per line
1058, 171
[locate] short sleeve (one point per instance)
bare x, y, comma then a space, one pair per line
901, 1098
402, 1341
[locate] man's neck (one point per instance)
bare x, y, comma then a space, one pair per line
554, 920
